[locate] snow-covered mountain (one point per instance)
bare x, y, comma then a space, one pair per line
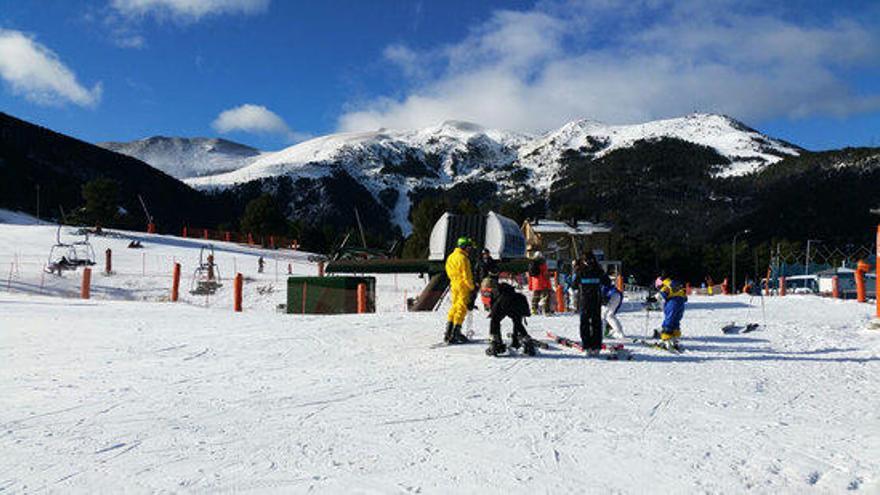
187, 157
747, 149
456, 152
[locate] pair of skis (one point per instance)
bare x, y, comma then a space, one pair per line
657, 344
614, 352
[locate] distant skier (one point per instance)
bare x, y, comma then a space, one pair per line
461, 288
675, 297
612, 298
260, 264
591, 279
506, 302
539, 284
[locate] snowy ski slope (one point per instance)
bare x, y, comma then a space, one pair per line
126, 393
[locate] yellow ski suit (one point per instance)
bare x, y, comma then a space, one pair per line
461, 284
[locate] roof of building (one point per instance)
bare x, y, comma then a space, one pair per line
835, 271
558, 227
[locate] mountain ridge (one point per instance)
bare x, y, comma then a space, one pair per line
186, 157
457, 152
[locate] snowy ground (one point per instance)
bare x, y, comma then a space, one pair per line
141, 395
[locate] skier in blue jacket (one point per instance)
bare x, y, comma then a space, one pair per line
675, 297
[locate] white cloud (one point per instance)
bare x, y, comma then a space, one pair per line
34, 71
189, 10
536, 70
406, 59
255, 119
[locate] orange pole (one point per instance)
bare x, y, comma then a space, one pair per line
85, 290
620, 282
835, 287
205, 233
560, 299
272, 242
781, 286
688, 289
320, 268
228, 236
184, 231
108, 261
861, 268
151, 228
362, 298
237, 286
250, 239
175, 283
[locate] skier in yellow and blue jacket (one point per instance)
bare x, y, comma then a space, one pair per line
461, 288
674, 295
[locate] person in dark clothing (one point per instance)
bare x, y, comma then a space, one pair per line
508, 303
591, 278
487, 266
487, 276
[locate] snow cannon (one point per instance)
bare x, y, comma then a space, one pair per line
500, 235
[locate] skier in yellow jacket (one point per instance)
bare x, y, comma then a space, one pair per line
461, 287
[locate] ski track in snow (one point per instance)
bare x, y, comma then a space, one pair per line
146, 396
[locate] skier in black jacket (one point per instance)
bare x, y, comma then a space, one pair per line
508, 303
591, 277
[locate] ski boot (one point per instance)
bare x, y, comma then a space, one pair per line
514, 340
447, 337
528, 346
676, 340
592, 353
496, 347
457, 336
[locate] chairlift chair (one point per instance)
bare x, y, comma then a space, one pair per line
63, 256
206, 277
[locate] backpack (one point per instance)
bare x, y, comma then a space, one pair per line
521, 305
534, 268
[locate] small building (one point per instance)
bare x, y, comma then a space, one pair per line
560, 242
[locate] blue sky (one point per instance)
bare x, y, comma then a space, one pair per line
270, 72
